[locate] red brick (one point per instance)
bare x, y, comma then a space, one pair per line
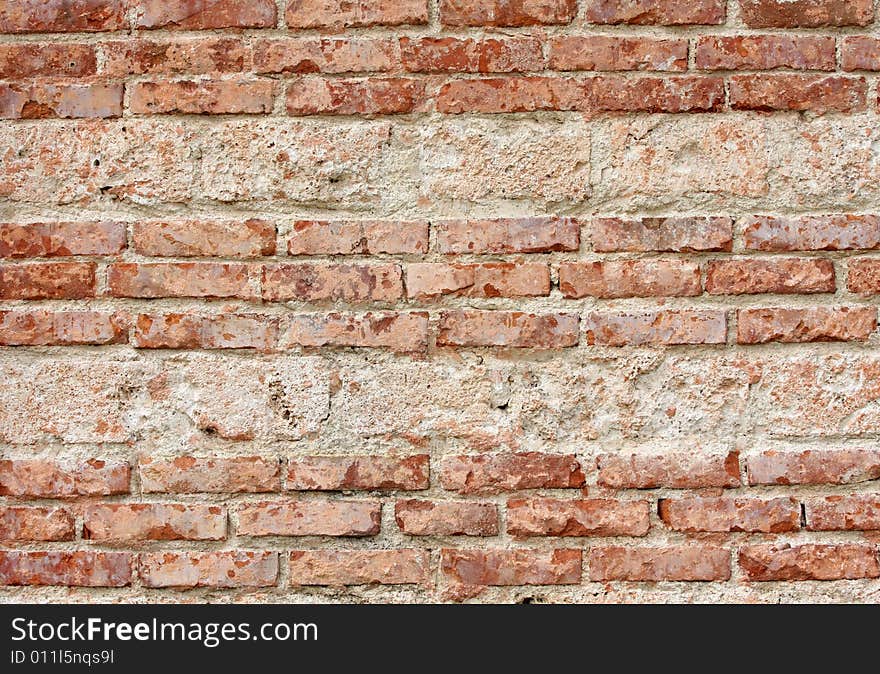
61, 239
51, 280
206, 14
62, 16
683, 470
860, 52
349, 473
235, 568
808, 562
37, 478
506, 12
400, 332
811, 466
204, 238
609, 53
193, 97
78, 568
806, 13
325, 55
693, 93
630, 278
656, 12
514, 329
675, 234
585, 517
63, 328
468, 55
816, 93
731, 514
863, 276
190, 475
812, 324
23, 524
778, 276
495, 473
359, 567
446, 518
492, 279
512, 235
844, 513
765, 52
665, 327
812, 232
374, 96
179, 279
174, 57
367, 237
321, 282
38, 100
679, 563
512, 567
339, 14
310, 518
188, 331
123, 522
23, 60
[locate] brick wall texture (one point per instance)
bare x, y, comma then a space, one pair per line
439, 300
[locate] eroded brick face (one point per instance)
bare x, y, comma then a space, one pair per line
560, 301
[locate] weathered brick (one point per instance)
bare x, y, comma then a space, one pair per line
681, 470
514, 329
310, 518
38, 478
512, 567
204, 238
731, 514
61, 239
359, 567
218, 475
816, 93
813, 324
38, 100
349, 473
206, 14
506, 12
122, 522
680, 563
179, 279
665, 327
367, 237
673, 234
770, 562
22, 524
400, 332
347, 282
62, 328
50, 280
494, 473
844, 513
189, 331
220, 97
860, 52
814, 466
491, 279
511, 235
778, 276
235, 568
446, 518
23, 60
62, 16
173, 57
338, 14
585, 517
805, 13
656, 12
630, 278
609, 53
813, 232
863, 276
765, 52
374, 96
80, 568
325, 55
469, 55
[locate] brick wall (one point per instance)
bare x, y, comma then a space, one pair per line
427, 300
